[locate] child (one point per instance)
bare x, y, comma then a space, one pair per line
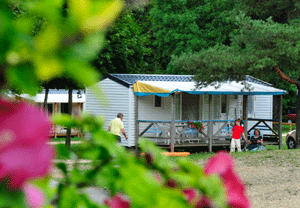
237, 131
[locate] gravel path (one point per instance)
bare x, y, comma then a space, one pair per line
272, 178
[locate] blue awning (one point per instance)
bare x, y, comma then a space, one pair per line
166, 88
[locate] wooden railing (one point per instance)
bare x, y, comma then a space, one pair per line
62, 131
290, 124
160, 132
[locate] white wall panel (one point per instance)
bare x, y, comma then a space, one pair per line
117, 97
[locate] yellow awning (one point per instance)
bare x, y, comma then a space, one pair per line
141, 87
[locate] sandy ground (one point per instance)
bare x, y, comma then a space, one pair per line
274, 181
272, 178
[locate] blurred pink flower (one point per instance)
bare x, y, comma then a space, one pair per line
117, 202
158, 178
34, 196
171, 183
192, 195
24, 154
222, 164
204, 202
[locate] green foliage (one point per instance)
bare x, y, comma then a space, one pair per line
259, 45
188, 26
43, 43
43, 40
126, 47
279, 10
15, 198
255, 50
114, 168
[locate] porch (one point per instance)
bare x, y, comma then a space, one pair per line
216, 109
185, 136
178, 133
160, 131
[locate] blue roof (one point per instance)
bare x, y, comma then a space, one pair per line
130, 79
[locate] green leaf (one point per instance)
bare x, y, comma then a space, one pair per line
64, 120
62, 151
23, 78
11, 197
62, 167
69, 197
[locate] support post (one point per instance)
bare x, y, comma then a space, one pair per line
70, 107
172, 127
280, 122
55, 112
136, 124
245, 114
210, 126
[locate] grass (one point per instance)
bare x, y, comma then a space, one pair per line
285, 128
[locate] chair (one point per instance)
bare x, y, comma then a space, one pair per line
225, 132
154, 130
191, 133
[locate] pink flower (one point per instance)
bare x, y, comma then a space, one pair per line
222, 164
158, 178
193, 198
198, 129
149, 158
117, 202
204, 202
24, 154
191, 194
171, 183
34, 196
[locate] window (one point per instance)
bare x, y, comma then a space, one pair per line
50, 108
64, 108
251, 106
177, 106
157, 101
224, 104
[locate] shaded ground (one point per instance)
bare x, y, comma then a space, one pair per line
272, 178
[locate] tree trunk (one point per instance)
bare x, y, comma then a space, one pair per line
46, 98
70, 104
298, 117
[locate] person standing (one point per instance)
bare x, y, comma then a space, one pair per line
116, 126
236, 131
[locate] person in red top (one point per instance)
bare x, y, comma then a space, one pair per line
237, 131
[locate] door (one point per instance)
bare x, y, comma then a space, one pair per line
190, 107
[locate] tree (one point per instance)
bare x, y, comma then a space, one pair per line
126, 47
261, 48
189, 25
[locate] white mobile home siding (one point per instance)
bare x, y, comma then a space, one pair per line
117, 102
262, 108
131, 111
147, 111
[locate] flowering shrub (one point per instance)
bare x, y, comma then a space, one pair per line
66, 45
198, 125
24, 154
222, 164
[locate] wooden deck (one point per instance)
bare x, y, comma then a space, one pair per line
62, 132
159, 132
